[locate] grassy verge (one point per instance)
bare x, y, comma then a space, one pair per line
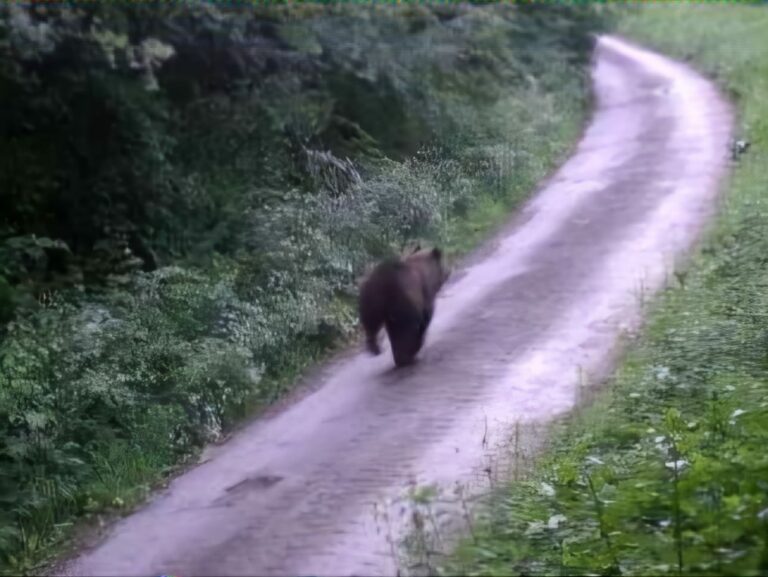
667, 473
264, 157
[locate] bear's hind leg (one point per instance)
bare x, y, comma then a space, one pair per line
423, 326
372, 329
372, 343
425, 323
405, 341
372, 338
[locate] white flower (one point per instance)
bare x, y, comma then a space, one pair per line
662, 373
555, 520
547, 490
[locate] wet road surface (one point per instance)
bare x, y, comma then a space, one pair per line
514, 334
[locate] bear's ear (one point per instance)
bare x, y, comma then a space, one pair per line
437, 253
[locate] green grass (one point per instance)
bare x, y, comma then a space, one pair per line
462, 235
667, 472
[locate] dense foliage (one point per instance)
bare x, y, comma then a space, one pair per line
667, 474
187, 195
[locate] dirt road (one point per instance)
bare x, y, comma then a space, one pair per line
546, 303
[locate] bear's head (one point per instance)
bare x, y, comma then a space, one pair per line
430, 261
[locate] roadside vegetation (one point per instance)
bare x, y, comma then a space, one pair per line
187, 195
667, 472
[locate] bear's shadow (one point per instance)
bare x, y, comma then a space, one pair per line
397, 375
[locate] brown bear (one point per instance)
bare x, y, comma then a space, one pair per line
399, 295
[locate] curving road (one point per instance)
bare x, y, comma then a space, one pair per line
513, 336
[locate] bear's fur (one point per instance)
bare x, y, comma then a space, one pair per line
399, 295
